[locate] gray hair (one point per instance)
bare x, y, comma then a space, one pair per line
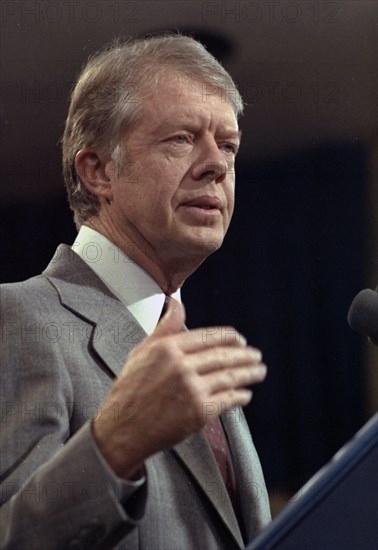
107, 99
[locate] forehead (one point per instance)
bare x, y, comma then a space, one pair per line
180, 98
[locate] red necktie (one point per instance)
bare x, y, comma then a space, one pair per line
217, 440
218, 443
165, 306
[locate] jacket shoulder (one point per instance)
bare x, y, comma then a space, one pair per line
29, 294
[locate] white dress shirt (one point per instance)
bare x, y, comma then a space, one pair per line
132, 285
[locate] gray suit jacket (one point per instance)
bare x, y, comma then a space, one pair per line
65, 338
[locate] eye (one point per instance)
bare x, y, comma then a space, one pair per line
230, 148
182, 139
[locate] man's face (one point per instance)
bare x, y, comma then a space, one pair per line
175, 196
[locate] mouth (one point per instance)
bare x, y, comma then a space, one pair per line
204, 203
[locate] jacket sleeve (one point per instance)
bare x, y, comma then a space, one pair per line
56, 490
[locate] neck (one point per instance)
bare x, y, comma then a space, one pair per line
170, 273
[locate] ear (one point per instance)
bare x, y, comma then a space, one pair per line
91, 167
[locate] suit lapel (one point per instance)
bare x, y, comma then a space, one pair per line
196, 454
254, 505
115, 330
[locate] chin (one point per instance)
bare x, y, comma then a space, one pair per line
201, 249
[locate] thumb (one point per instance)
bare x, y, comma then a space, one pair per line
172, 321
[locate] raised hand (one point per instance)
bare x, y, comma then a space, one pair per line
166, 386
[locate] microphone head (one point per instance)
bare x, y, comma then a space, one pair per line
363, 314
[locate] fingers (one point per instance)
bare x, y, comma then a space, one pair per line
206, 338
221, 357
225, 401
233, 379
173, 321
228, 385
225, 374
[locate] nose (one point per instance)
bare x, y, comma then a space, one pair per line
212, 166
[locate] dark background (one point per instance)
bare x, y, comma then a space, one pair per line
303, 238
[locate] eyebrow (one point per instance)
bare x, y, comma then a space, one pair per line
233, 134
187, 121
192, 126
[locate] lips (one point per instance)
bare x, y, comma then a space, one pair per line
205, 202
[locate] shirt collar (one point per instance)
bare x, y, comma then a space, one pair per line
129, 282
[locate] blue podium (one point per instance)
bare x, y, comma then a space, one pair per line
338, 508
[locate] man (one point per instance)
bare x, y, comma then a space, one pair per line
109, 414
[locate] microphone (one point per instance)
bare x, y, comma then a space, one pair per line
363, 314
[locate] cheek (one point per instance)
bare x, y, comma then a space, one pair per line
162, 176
